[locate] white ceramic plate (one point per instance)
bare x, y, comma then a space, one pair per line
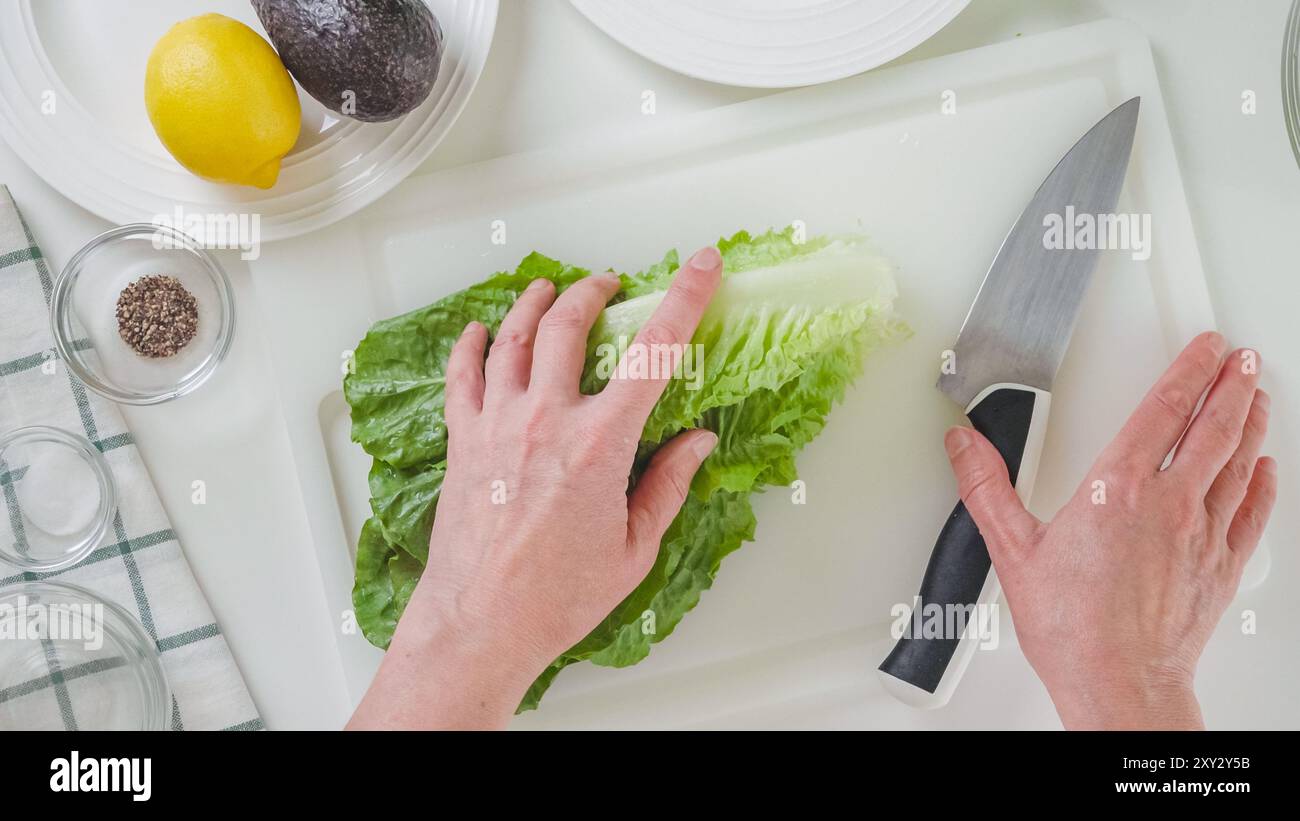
770, 43
72, 106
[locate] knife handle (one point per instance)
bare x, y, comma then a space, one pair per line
924, 672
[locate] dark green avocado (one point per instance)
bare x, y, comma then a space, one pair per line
371, 60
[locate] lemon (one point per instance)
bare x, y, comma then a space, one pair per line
221, 101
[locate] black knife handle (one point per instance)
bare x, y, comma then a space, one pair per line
959, 565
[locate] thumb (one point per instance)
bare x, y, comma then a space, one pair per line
985, 487
660, 491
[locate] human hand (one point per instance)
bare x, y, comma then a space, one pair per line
536, 538
1113, 603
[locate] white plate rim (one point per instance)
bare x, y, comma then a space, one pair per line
611, 17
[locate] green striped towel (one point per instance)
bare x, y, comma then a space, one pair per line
139, 565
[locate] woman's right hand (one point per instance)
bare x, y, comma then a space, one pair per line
1115, 598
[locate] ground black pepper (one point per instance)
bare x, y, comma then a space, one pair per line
156, 316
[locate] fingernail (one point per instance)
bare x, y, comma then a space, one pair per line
538, 284
955, 441
706, 259
704, 443
609, 276
470, 328
1263, 400
1268, 464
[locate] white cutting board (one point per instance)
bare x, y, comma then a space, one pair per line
797, 621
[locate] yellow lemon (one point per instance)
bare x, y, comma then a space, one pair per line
221, 101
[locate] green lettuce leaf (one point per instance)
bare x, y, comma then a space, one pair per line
780, 343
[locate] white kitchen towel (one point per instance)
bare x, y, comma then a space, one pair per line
139, 565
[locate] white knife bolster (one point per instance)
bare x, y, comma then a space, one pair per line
1033, 440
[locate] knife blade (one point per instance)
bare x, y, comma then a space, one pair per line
1000, 370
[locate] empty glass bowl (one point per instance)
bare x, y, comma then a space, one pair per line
58, 498
72, 661
83, 314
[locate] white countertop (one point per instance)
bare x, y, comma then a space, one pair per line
249, 543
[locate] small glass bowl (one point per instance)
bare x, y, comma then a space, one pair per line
59, 497
83, 314
72, 661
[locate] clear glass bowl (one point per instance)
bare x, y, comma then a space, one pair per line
72, 661
83, 314
1291, 77
59, 498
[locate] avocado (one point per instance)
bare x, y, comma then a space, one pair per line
372, 60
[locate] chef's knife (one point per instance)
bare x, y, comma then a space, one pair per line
1001, 370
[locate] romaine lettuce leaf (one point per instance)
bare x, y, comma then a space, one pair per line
781, 341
